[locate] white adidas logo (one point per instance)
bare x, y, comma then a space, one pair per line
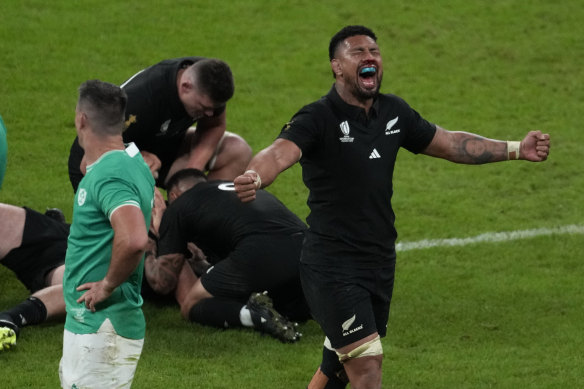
374, 154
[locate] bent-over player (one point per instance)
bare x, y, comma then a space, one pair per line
252, 247
165, 101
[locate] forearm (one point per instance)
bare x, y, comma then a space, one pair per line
274, 159
466, 148
204, 142
265, 167
125, 259
474, 149
265, 164
200, 154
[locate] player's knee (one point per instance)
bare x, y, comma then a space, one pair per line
186, 311
371, 348
188, 307
55, 276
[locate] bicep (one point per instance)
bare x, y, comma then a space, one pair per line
129, 226
441, 144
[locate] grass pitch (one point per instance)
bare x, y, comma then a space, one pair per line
489, 315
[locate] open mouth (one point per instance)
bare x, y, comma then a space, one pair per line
367, 76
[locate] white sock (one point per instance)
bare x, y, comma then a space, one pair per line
245, 317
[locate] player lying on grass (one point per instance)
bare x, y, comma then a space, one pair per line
252, 248
33, 246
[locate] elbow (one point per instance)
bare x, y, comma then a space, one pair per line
162, 280
139, 244
159, 282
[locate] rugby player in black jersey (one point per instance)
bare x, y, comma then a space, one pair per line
252, 248
347, 143
176, 115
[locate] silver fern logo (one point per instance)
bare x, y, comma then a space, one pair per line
345, 130
389, 126
164, 127
347, 324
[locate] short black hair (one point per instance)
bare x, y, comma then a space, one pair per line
105, 105
183, 175
213, 77
347, 32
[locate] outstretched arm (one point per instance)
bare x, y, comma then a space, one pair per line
468, 148
265, 167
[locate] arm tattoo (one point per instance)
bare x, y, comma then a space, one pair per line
162, 272
477, 150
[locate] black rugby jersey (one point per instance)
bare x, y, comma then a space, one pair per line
347, 165
156, 119
211, 215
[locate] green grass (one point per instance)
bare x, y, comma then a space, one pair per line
496, 315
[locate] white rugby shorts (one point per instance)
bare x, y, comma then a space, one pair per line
100, 360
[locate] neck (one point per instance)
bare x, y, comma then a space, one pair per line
350, 98
95, 146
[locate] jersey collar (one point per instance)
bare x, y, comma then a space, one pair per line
352, 111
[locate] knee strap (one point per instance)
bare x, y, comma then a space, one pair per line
367, 349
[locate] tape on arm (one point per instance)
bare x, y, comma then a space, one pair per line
513, 149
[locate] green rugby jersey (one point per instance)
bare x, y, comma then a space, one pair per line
117, 178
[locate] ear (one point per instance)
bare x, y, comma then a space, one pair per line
185, 83
172, 195
336, 67
80, 120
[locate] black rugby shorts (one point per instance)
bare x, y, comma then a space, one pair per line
262, 263
43, 248
348, 303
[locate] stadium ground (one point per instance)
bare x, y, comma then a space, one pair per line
501, 314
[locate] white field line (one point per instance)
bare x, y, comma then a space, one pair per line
490, 237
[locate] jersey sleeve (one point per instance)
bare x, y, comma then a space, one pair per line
302, 129
420, 131
115, 193
172, 236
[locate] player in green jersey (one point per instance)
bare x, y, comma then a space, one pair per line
105, 326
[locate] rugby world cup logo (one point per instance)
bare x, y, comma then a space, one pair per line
345, 130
